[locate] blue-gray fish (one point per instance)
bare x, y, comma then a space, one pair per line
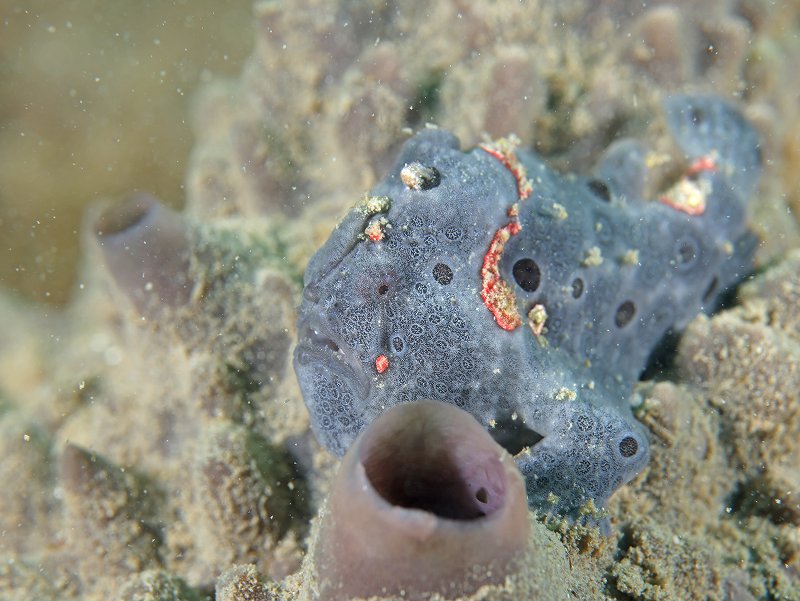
529, 298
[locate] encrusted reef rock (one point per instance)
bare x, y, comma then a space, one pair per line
724, 472
110, 514
155, 442
242, 583
156, 585
653, 565
248, 497
187, 448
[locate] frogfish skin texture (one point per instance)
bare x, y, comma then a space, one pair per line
529, 298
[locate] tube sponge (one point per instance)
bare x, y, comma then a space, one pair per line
424, 502
111, 514
146, 248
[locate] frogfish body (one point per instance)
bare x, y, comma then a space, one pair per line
529, 298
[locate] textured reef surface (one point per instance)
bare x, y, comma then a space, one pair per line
422, 290
156, 434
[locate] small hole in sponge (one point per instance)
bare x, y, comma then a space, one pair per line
697, 115
577, 288
383, 289
414, 465
686, 252
711, 290
527, 274
442, 274
599, 189
397, 344
628, 447
624, 314
125, 215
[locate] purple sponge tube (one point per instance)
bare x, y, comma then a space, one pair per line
146, 249
424, 502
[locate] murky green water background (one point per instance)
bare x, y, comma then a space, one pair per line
95, 98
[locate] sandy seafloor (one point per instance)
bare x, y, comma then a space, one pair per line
161, 451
